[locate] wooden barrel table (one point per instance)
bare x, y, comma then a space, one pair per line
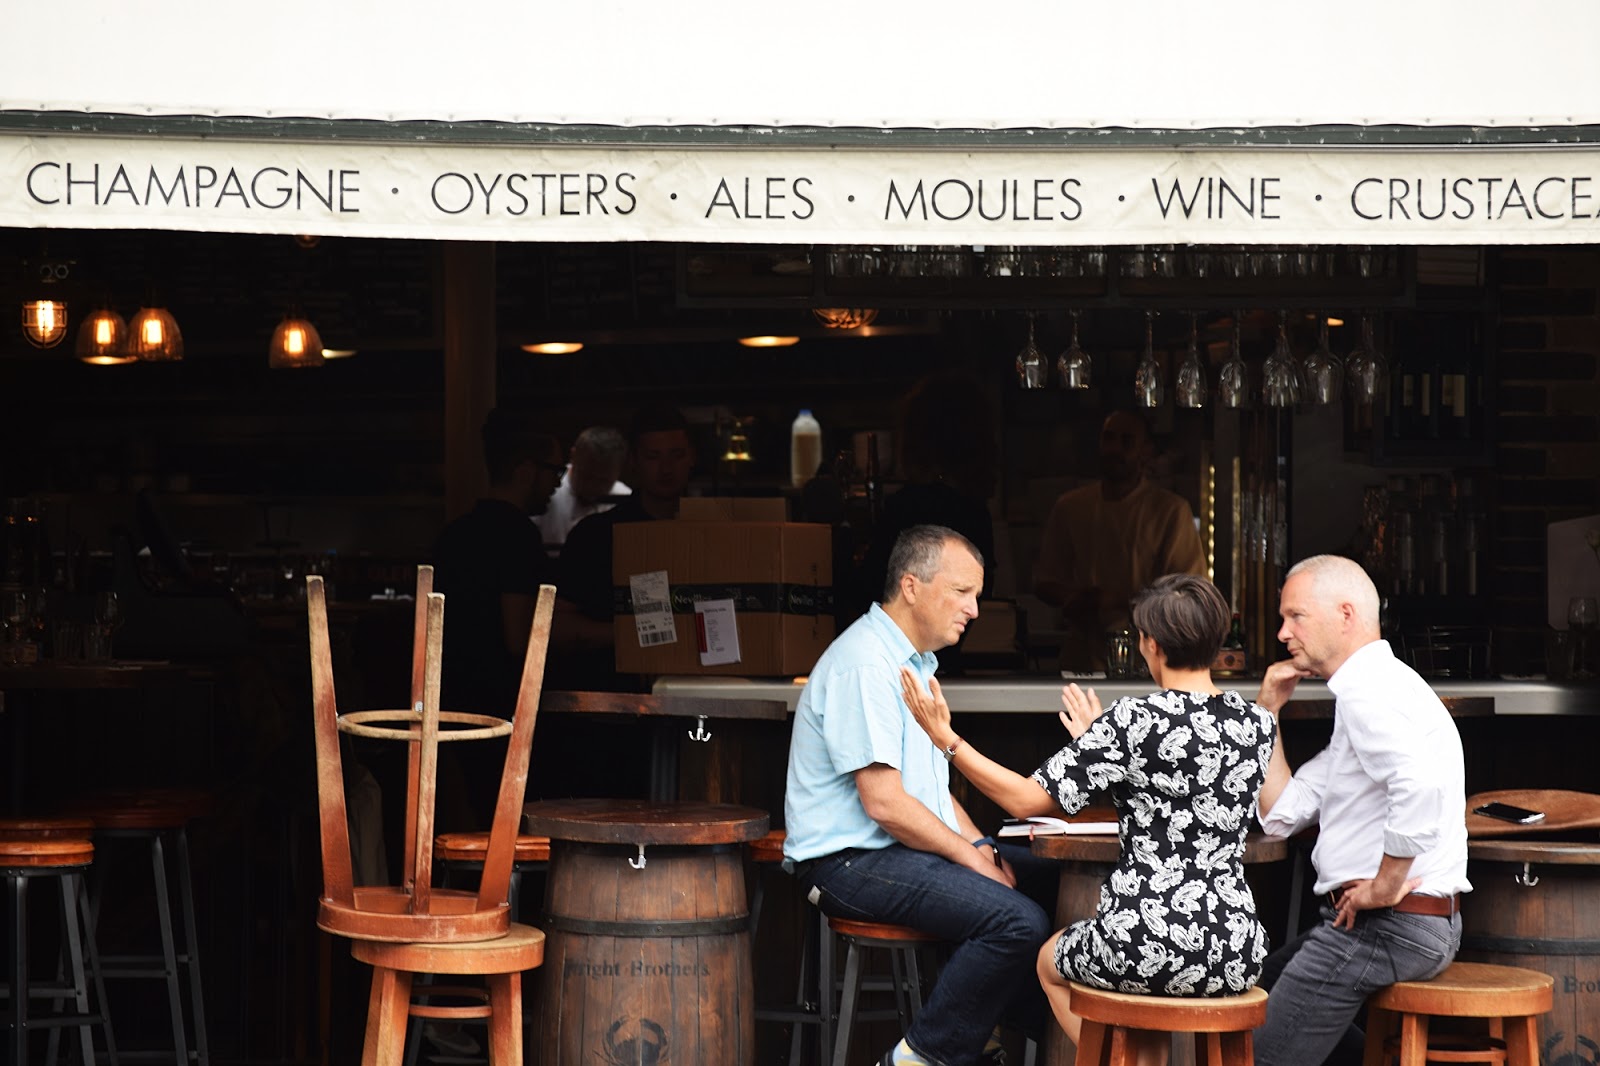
1536, 904
647, 950
1086, 861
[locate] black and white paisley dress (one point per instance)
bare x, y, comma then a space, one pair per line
1176, 917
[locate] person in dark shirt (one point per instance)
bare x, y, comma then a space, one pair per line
661, 458
489, 564
947, 453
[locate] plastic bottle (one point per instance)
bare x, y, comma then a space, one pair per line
805, 448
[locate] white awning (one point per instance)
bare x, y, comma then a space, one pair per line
1023, 122
936, 64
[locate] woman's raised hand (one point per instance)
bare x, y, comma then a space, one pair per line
928, 708
1082, 708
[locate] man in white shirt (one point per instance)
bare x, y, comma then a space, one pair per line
588, 486
1388, 794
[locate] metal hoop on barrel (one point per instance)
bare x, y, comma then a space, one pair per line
487, 726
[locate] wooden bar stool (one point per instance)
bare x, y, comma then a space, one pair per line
1511, 999
58, 848
1222, 1025
412, 928
902, 944
811, 1005
158, 819
465, 852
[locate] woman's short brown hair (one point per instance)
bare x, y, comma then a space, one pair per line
1186, 616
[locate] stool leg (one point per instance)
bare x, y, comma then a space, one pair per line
169, 948
914, 980
848, 996
80, 984
1122, 1048
387, 1010
91, 953
803, 989
1522, 1041
505, 1019
825, 1001
1381, 1026
1237, 1049
899, 980
1091, 1044
191, 944
17, 964
1414, 1040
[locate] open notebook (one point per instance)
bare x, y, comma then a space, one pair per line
1044, 825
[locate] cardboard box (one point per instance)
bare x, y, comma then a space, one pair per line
779, 575
733, 509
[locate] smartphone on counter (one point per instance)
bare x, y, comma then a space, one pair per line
1508, 813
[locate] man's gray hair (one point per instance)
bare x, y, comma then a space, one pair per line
918, 552
1343, 580
602, 442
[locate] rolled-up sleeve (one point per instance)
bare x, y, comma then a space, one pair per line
1300, 802
1397, 754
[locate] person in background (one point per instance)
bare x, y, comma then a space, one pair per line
1106, 540
660, 459
1388, 795
1183, 766
588, 486
947, 452
873, 831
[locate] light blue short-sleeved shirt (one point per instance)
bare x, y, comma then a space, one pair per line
851, 714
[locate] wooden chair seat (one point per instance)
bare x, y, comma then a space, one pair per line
1511, 999
769, 848
384, 913
45, 852
499, 962
472, 847
880, 931
1222, 1025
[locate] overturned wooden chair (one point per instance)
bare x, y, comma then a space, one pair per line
414, 928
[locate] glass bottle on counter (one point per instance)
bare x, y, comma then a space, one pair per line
1231, 659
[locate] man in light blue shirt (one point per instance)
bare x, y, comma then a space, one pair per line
874, 834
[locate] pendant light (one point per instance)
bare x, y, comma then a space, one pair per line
103, 339
295, 343
44, 322
153, 336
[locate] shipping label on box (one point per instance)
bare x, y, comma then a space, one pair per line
777, 578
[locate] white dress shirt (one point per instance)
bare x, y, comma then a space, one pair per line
1390, 782
565, 510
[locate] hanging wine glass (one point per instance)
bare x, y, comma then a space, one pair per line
1147, 387
1192, 372
1031, 367
1280, 377
1233, 382
1366, 371
1324, 371
1072, 365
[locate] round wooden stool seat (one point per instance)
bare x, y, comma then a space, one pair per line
1510, 998
1218, 1014
45, 852
1471, 990
522, 948
45, 828
472, 847
152, 808
879, 931
768, 848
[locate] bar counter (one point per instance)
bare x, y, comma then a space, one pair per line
1024, 694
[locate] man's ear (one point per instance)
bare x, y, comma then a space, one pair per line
908, 588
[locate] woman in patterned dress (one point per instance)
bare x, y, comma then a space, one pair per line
1183, 766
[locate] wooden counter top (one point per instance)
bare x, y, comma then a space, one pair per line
1028, 695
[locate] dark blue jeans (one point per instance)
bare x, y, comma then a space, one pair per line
997, 932
1320, 981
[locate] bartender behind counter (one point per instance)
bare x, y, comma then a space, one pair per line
1105, 541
